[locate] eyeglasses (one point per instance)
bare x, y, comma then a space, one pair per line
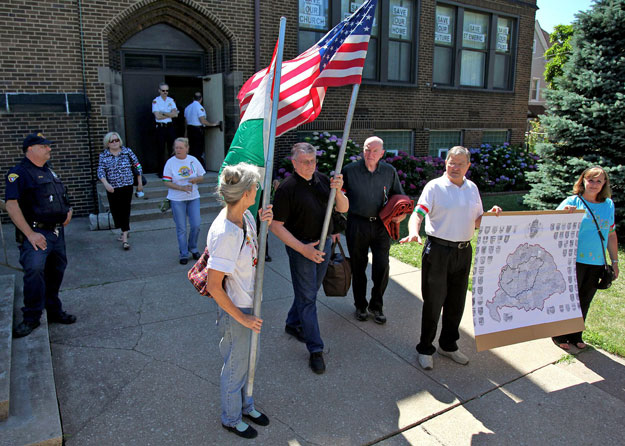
311, 162
113, 140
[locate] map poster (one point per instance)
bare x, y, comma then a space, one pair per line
524, 281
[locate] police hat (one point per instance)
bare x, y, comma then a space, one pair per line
34, 139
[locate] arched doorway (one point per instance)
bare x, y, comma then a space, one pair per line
160, 53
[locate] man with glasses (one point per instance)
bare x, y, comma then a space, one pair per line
37, 203
164, 109
299, 209
369, 183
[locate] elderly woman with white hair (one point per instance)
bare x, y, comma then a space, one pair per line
233, 249
115, 173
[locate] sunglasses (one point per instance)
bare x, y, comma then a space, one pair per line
164, 91
113, 140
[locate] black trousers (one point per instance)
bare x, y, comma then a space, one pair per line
363, 235
119, 204
196, 142
163, 145
444, 279
587, 279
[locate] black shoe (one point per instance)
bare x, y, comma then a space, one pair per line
316, 363
261, 420
361, 315
184, 261
267, 258
25, 328
196, 255
249, 433
378, 316
62, 318
296, 332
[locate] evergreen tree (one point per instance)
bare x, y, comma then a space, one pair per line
585, 119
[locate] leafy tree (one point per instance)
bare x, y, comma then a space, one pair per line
585, 119
558, 53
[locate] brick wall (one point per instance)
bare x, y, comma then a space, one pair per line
42, 53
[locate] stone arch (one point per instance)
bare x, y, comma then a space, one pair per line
186, 15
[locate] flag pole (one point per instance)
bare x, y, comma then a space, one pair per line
262, 236
339, 165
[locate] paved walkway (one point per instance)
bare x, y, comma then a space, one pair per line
141, 365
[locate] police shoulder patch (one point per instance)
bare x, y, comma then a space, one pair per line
201, 109
12, 177
154, 101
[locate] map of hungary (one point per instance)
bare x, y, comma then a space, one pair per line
528, 279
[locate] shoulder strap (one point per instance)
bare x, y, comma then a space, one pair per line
597, 225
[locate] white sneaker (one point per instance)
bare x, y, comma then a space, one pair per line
139, 194
456, 356
426, 361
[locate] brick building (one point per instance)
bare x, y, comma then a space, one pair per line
438, 73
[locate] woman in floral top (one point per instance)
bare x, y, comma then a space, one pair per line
114, 171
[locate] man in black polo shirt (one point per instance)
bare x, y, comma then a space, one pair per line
369, 183
299, 210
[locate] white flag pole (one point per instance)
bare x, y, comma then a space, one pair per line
339, 165
262, 236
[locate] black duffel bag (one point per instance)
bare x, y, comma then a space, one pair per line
338, 277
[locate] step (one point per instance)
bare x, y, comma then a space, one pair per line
7, 291
211, 207
34, 417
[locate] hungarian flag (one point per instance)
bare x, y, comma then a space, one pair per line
336, 60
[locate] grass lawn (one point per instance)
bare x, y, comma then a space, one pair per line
605, 324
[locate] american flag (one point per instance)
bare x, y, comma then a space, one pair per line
336, 60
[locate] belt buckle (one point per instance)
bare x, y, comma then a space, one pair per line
463, 245
372, 218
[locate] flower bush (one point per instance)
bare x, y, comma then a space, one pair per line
493, 168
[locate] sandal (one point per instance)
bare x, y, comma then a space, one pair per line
581, 345
563, 345
126, 246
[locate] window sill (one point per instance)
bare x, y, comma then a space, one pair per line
477, 90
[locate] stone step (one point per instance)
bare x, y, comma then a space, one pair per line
7, 292
209, 207
34, 417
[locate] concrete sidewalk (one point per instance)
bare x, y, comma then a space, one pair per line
141, 366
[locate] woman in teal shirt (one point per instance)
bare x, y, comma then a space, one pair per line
593, 186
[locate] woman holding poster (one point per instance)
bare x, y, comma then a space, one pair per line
592, 194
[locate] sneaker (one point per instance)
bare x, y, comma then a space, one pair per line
296, 332
316, 363
196, 255
247, 432
25, 328
378, 316
426, 361
456, 356
62, 318
184, 261
361, 315
140, 194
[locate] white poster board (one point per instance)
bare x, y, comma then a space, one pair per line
524, 281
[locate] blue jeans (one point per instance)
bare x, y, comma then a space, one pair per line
235, 350
180, 210
307, 276
43, 274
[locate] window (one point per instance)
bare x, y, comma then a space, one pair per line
45, 102
494, 137
391, 57
535, 90
442, 141
396, 140
479, 56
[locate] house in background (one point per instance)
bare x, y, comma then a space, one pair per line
536, 104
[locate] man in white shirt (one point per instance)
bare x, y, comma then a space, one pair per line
452, 209
195, 117
164, 109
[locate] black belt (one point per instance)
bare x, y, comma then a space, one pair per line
48, 226
163, 124
457, 245
364, 218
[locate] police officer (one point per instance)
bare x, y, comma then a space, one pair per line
37, 203
164, 109
195, 116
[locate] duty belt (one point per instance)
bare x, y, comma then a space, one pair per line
163, 124
457, 245
364, 218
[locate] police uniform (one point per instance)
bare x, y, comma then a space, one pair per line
165, 132
195, 129
43, 201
